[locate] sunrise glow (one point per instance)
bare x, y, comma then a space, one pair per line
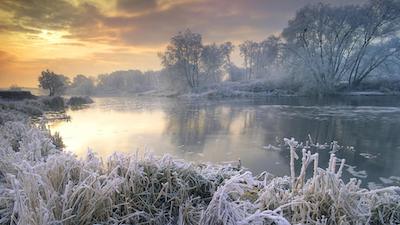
95, 37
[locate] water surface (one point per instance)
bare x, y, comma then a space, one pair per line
249, 130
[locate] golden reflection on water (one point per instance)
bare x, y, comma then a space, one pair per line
194, 132
108, 131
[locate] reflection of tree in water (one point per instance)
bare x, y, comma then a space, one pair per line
248, 118
192, 124
189, 127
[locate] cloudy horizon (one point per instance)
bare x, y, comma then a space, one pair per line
94, 37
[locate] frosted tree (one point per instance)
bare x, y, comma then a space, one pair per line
259, 57
183, 55
215, 59
55, 83
227, 48
236, 73
247, 51
380, 26
266, 55
126, 81
82, 85
347, 42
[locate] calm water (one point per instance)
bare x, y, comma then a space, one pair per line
250, 130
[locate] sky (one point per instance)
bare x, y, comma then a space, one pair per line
94, 37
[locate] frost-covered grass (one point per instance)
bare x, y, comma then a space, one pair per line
41, 185
37, 107
33, 107
79, 101
27, 107
240, 89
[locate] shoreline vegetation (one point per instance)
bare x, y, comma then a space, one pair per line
41, 184
227, 90
35, 106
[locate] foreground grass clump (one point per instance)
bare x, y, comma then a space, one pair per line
41, 185
59, 189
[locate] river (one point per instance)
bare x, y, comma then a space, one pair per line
367, 128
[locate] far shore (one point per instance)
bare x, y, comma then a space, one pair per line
210, 94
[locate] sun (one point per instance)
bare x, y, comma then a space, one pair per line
52, 37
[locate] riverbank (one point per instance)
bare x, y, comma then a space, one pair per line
260, 89
39, 184
25, 102
264, 88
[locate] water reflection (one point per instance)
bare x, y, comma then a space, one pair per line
228, 130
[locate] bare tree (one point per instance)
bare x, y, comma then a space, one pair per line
247, 51
266, 55
259, 57
215, 59
183, 55
338, 42
378, 38
227, 49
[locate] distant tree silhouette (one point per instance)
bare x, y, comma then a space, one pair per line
55, 83
82, 85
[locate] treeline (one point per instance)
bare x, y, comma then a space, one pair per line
115, 83
324, 49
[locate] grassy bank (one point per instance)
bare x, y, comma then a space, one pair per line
261, 88
40, 184
39, 105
